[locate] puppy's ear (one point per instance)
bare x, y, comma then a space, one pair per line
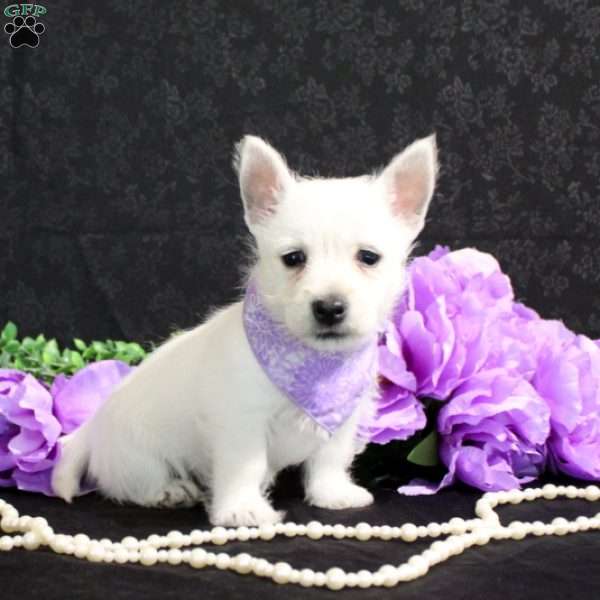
409, 181
263, 176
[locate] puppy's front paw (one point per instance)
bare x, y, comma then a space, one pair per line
347, 495
245, 513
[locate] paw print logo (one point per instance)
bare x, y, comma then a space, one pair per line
24, 32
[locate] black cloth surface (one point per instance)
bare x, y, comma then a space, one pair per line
545, 568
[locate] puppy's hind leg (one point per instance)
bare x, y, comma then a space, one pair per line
137, 476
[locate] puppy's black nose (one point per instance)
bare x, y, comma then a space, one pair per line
329, 311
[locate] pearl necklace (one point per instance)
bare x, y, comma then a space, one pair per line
462, 534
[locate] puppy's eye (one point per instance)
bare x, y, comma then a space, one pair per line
368, 257
294, 259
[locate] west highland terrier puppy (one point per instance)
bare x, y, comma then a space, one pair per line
286, 376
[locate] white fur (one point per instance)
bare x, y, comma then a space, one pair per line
199, 419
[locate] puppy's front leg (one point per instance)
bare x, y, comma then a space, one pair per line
239, 470
328, 483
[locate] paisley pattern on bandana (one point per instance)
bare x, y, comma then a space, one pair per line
327, 386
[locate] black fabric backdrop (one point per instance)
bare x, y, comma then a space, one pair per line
121, 218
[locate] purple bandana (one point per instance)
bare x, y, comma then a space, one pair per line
327, 386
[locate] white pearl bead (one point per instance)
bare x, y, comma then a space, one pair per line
419, 563
243, 534
571, 492
529, 494
320, 579
174, 556
583, 523
549, 491
406, 573
223, 561
266, 532
385, 532
442, 549
457, 525
351, 580
129, 542
175, 539
515, 496
307, 578
38, 523
148, 556
592, 493
339, 532
517, 530
95, 552
363, 532
260, 567
434, 530
24, 522
198, 558
336, 579
6, 543
281, 572
408, 532
290, 530
561, 526
314, 530
218, 536
365, 579
31, 541
197, 537
242, 563
121, 555
390, 575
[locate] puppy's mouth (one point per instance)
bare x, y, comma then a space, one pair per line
331, 334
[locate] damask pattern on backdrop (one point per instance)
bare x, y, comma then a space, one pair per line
120, 210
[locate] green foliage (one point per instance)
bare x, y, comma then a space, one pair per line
425, 453
45, 360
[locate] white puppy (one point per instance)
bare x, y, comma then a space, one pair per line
203, 412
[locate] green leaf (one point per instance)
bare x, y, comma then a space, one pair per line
12, 347
425, 453
28, 344
9, 332
98, 347
76, 360
50, 354
79, 344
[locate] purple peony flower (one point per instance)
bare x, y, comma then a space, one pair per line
28, 432
399, 414
568, 378
444, 319
492, 434
77, 398
32, 419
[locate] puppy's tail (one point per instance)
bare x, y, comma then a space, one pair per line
73, 461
